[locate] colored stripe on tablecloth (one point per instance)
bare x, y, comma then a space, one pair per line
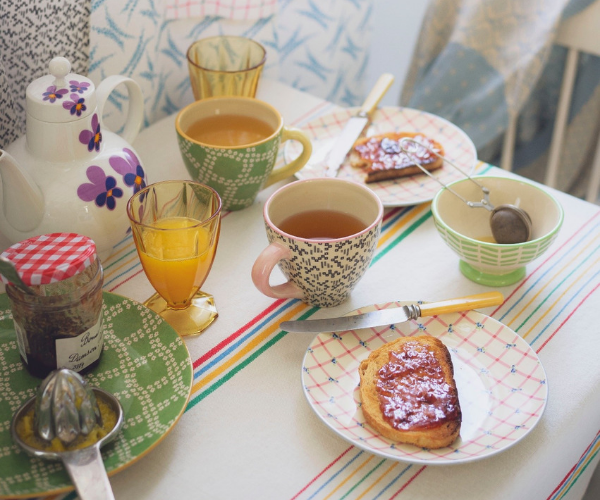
246, 344
331, 464
579, 468
386, 478
557, 287
243, 346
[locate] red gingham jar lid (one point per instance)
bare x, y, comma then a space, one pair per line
51, 257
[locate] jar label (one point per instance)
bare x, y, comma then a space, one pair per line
78, 352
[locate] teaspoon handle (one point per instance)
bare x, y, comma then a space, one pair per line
86, 469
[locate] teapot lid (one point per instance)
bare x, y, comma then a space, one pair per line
61, 96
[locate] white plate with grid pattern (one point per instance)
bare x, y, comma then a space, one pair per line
501, 384
405, 191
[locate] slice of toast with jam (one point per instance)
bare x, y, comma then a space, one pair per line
409, 394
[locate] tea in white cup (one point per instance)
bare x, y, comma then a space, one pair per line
322, 233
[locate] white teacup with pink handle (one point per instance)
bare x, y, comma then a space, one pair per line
322, 233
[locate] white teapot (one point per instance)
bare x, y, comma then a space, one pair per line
69, 173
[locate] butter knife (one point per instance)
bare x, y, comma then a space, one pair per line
394, 315
356, 125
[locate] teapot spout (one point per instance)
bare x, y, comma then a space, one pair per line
22, 199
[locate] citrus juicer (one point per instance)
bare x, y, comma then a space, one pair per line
65, 407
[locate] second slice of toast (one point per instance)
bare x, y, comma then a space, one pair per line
382, 158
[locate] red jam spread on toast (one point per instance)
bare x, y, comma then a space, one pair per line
386, 154
413, 393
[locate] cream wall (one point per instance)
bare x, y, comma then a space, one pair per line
396, 26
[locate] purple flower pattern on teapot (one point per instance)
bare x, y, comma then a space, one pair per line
129, 167
79, 87
102, 189
92, 138
76, 105
52, 94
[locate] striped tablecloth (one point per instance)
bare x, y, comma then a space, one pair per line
248, 431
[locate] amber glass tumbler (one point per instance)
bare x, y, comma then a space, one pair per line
225, 66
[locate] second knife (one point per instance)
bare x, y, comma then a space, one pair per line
356, 125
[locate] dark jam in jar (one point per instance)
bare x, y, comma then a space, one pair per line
61, 325
412, 390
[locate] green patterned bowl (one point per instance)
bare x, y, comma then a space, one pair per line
467, 230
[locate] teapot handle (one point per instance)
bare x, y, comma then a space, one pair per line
136, 103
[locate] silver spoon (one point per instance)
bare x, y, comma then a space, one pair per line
57, 419
509, 224
9, 271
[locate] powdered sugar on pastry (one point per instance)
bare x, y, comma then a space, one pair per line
382, 157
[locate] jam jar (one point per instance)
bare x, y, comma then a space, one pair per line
60, 326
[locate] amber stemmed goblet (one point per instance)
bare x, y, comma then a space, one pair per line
176, 228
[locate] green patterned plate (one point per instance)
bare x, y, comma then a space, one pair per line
145, 364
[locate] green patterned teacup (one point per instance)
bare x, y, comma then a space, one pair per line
237, 172
467, 231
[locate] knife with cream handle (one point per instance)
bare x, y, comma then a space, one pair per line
393, 315
356, 125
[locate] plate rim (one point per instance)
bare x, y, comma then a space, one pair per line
438, 462
66, 489
357, 108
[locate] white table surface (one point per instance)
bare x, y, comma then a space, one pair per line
253, 435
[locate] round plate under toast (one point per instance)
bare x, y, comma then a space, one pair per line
404, 191
501, 384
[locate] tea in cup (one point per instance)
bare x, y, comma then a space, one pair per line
231, 144
322, 233
225, 66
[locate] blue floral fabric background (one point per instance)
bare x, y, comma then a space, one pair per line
317, 46
477, 62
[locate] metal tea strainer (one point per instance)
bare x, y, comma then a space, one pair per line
509, 223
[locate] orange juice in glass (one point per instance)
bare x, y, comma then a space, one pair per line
176, 230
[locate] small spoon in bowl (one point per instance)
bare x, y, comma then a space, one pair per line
509, 224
